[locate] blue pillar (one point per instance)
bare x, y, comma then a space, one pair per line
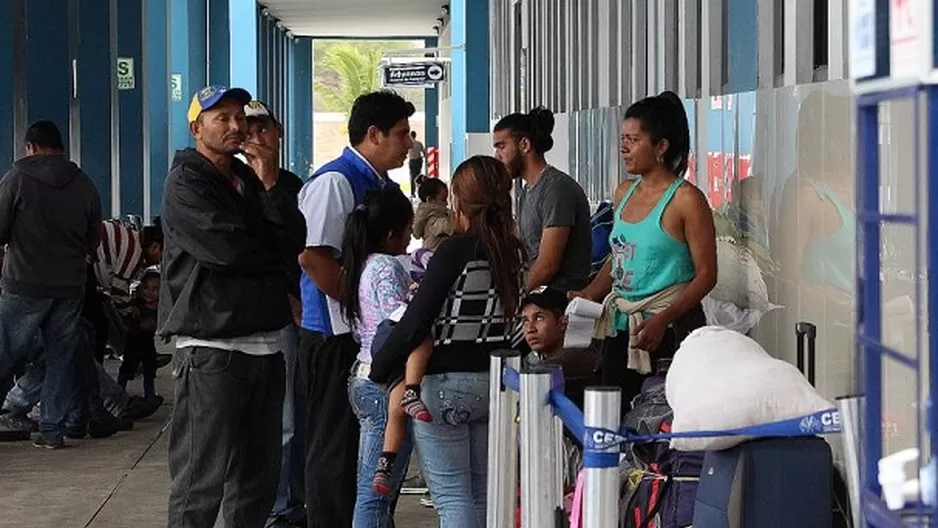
7, 23
289, 141
431, 106
242, 16
48, 65
94, 94
742, 54
130, 140
262, 45
218, 37
187, 49
157, 95
469, 29
301, 126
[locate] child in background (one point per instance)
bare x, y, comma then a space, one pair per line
140, 317
432, 223
375, 285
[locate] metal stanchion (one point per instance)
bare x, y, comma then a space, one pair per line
601, 491
539, 498
503, 443
849, 409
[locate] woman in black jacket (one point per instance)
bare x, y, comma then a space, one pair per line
472, 282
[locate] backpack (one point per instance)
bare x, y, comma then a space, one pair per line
600, 228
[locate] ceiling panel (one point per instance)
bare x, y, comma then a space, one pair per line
358, 18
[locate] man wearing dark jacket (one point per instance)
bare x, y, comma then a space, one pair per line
50, 220
224, 297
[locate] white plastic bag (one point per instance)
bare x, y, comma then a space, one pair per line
721, 379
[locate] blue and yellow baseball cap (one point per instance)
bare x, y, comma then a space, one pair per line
210, 96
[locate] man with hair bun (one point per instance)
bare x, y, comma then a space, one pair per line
554, 214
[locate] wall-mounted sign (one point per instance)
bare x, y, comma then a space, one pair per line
413, 74
126, 79
175, 86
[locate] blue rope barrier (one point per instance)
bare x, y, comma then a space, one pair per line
597, 442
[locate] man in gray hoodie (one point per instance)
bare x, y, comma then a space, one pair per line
50, 221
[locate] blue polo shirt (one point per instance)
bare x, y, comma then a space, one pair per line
326, 200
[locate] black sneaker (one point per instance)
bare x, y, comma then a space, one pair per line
20, 421
76, 432
41, 442
140, 408
124, 425
14, 428
103, 426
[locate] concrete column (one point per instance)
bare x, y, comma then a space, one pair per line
156, 94
431, 107
469, 73
243, 45
130, 110
301, 109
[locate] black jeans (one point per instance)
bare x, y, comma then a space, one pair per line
331, 428
140, 349
224, 440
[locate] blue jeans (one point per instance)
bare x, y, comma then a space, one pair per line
291, 492
21, 318
370, 404
453, 449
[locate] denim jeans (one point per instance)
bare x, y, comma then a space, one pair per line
291, 492
21, 318
370, 404
453, 449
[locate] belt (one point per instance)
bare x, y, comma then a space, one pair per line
361, 370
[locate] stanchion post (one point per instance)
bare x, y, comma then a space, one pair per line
503, 442
849, 409
602, 409
539, 500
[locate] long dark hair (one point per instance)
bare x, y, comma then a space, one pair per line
384, 213
482, 191
663, 117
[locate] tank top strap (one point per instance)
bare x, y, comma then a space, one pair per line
666, 199
628, 194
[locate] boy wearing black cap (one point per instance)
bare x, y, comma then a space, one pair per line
545, 325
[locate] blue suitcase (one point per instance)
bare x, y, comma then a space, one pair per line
766, 483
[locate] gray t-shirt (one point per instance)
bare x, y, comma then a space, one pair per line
557, 200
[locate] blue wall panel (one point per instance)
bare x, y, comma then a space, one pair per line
47, 59
187, 45
742, 54
244, 45
218, 52
432, 107
94, 95
469, 73
130, 142
157, 79
6, 88
302, 115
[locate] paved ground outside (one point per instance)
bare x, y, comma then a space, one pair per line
117, 482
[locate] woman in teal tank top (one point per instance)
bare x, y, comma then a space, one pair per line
663, 242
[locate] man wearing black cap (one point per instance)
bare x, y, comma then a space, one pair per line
545, 325
262, 151
224, 297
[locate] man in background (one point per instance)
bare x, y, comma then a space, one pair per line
50, 220
417, 154
262, 151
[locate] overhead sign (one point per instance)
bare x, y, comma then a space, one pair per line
419, 74
126, 79
175, 86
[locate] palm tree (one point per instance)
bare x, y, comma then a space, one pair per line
354, 71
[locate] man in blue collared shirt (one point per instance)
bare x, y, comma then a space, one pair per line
379, 135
